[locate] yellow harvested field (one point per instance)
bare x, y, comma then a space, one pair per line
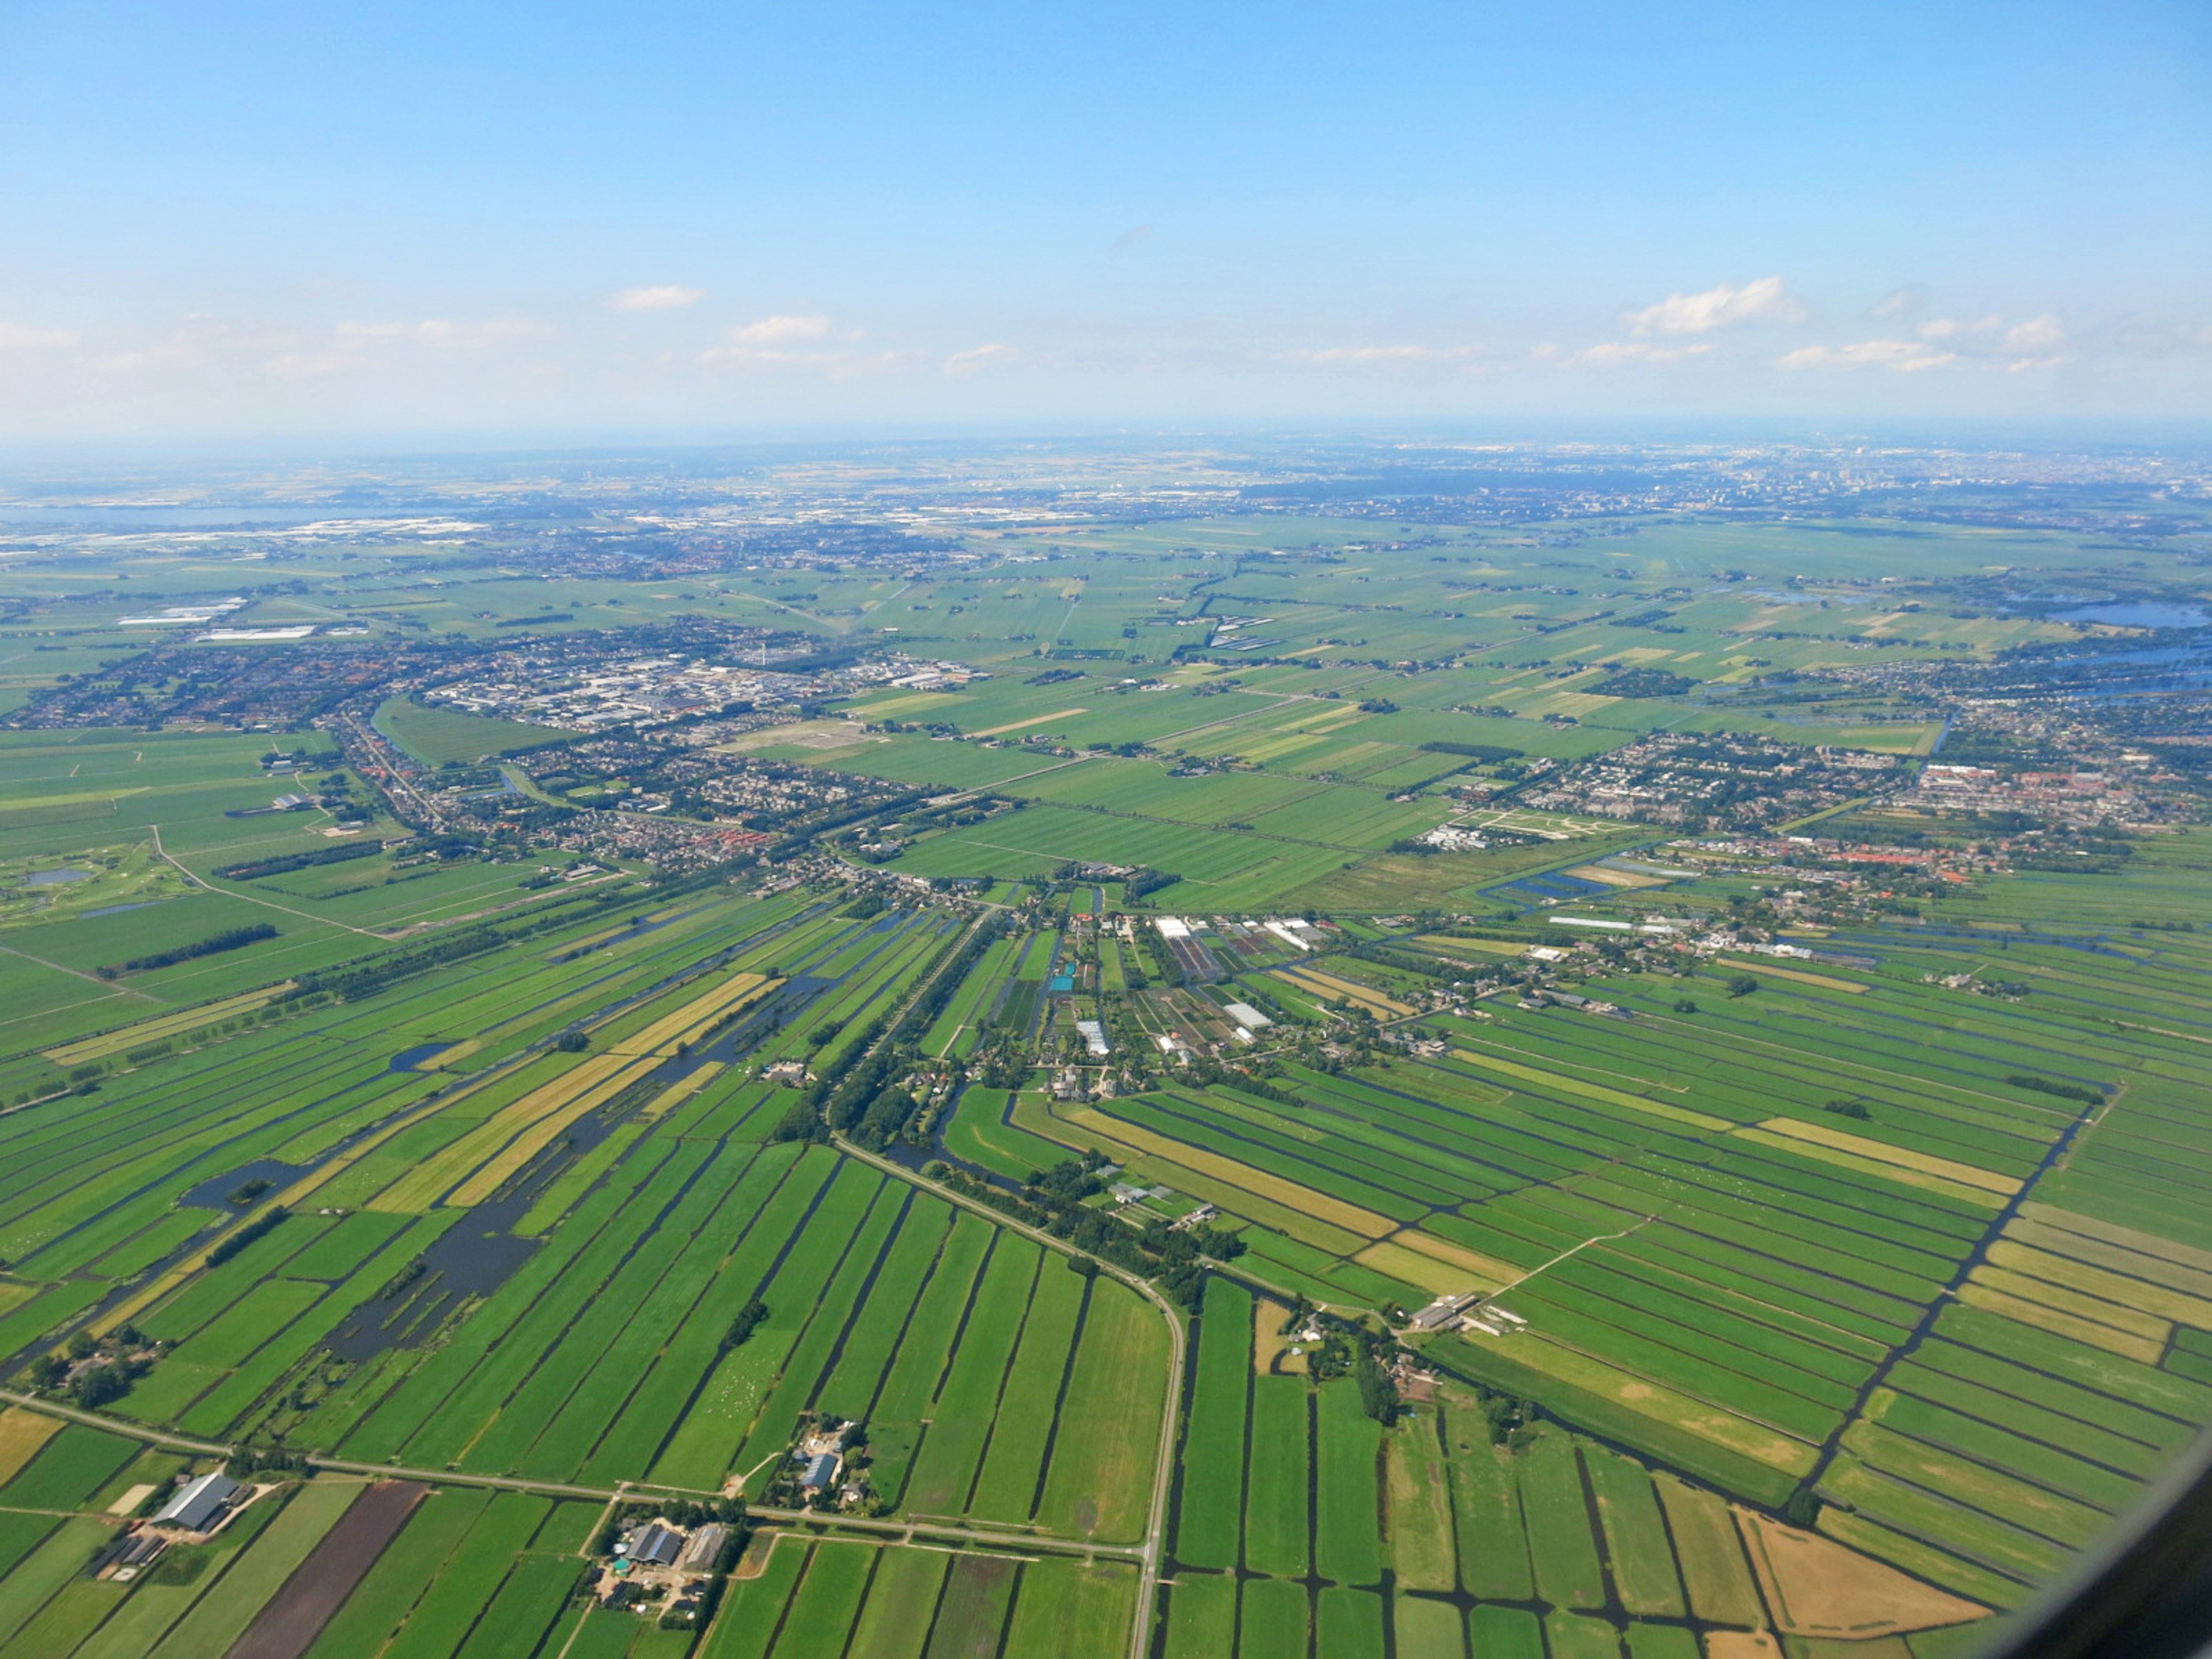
1814, 1586
2059, 1323
1739, 1434
1855, 1531
2111, 1232
164, 1025
1843, 1160
1269, 1344
1495, 947
1034, 720
2079, 1247
2125, 1289
1329, 986
1457, 1256
1410, 1267
2079, 1304
1826, 981
1305, 1199
1028, 1112
21, 1433
1606, 876
1966, 1175
1578, 704
1592, 1090
677, 1093
1741, 1644
505, 1142
535, 1134
687, 1022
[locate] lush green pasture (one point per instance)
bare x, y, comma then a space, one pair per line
434, 736
824, 1600
1545, 1519
1814, 1249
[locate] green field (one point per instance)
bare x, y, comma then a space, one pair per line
1826, 1214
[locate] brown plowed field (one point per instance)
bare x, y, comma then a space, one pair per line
296, 1614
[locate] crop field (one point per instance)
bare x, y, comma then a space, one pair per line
1970, 1317
302, 1335
633, 1204
275, 1572
1481, 1534
827, 1599
1807, 1238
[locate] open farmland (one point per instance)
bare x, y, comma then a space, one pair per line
1253, 1083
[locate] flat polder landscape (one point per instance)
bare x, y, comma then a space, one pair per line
1180, 1051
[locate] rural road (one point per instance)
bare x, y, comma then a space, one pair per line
898, 1530
115, 1425
1155, 1544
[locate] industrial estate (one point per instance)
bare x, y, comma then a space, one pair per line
1193, 1053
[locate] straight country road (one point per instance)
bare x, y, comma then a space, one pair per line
894, 1530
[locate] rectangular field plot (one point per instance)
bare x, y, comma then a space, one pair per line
856, 1599
994, 1382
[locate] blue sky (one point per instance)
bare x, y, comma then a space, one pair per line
254, 218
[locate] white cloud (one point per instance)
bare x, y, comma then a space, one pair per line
441, 331
655, 297
1950, 328
770, 330
1900, 356
961, 364
802, 342
2037, 334
1716, 308
1615, 354
15, 337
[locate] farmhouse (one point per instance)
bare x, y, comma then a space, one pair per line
199, 1502
655, 1544
1442, 1312
706, 1544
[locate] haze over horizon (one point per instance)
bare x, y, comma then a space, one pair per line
409, 220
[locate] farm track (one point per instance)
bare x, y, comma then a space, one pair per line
1150, 1554
163, 854
896, 1531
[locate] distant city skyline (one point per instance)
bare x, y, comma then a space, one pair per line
455, 220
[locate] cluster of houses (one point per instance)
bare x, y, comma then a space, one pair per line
661, 1568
